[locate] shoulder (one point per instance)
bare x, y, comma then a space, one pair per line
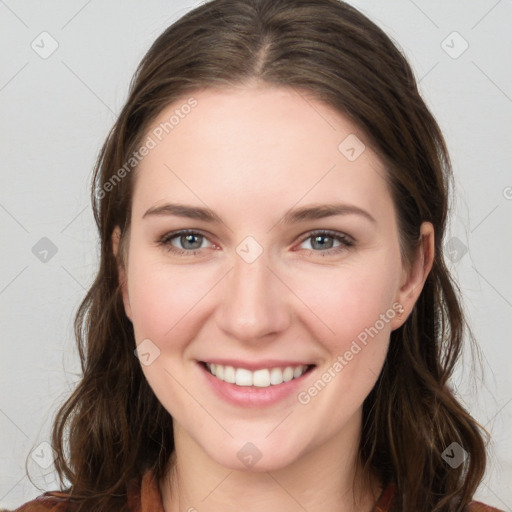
139, 497
47, 502
477, 506
387, 498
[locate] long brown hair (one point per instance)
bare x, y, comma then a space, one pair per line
113, 428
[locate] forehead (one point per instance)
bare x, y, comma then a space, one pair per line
250, 144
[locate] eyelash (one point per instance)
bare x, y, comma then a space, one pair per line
345, 242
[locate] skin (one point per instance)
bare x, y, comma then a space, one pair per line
251, 153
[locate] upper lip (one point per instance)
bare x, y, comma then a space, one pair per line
256, 365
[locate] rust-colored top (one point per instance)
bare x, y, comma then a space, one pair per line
146, 498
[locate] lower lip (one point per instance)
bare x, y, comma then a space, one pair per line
253, 396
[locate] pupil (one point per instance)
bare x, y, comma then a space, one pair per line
320, 238
190, 238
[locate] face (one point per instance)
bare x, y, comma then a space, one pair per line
265, 276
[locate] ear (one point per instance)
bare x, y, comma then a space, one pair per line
121, 270
414, 277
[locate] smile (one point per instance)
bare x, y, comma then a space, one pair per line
262, 378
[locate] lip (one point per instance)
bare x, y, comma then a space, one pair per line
253, 396
260, 365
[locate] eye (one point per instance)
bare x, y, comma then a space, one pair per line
324, 242
189, 242
184, 242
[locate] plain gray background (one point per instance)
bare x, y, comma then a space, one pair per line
56, 112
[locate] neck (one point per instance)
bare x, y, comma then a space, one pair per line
326, 479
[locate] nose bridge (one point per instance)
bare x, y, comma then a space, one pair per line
253, 304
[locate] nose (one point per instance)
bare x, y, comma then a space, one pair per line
254, 302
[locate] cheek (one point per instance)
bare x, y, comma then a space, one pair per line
349, 301
164, 299
353, 311
166, 309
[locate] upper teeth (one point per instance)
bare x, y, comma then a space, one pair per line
260, 378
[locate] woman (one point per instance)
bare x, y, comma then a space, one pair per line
296, 355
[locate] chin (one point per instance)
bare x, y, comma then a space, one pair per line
256, 456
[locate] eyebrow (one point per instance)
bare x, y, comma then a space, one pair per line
291, 216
